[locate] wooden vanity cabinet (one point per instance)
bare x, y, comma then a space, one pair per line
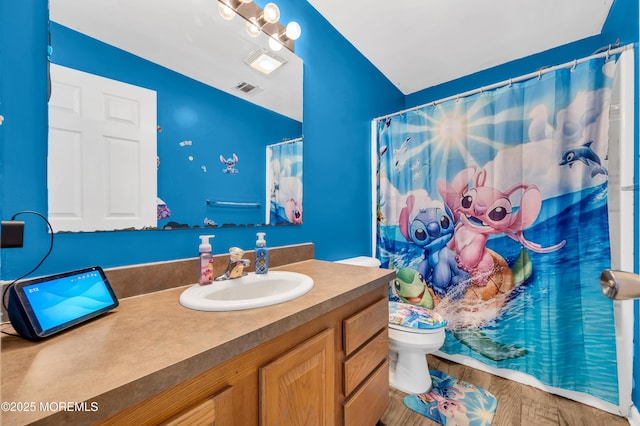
298, 377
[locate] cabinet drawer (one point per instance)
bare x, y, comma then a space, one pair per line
362, 326
368, 404
364, 361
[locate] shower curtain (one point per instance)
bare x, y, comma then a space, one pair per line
284, 182
492, 209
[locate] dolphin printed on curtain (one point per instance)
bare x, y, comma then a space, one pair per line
284, 182
492, 209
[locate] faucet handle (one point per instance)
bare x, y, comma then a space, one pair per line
235, 254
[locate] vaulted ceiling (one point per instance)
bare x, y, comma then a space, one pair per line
418, 44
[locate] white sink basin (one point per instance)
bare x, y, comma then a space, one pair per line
250, 291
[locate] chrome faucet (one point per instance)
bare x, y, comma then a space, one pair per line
620, 285
236, 265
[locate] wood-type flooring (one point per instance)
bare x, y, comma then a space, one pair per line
518, 404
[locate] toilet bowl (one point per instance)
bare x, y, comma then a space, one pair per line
409, 344
414, 332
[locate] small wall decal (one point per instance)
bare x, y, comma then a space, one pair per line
204, 168
186, 143
163, 210
231, 164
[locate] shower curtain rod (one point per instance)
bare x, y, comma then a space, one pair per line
286, 142
538, 74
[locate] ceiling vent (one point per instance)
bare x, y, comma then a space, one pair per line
248, 88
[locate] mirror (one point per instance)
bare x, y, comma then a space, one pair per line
207, 115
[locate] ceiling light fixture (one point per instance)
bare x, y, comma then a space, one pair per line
293, 30
264, 61
274, 43
253, 29
226, 11
262, 20
287, 35
271, 13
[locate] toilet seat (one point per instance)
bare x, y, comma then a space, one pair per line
414, 319
415, 330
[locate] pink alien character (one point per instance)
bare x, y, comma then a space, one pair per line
447, 407
293, 210
482, 211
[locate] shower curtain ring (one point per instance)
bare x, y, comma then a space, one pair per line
510, 82
539, 74
575, 63
457, 97
606, 58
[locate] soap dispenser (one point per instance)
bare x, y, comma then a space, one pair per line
206, 260
262, 255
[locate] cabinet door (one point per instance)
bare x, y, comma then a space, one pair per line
298, 387
214, 411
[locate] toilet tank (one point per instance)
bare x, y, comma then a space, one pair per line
361, 261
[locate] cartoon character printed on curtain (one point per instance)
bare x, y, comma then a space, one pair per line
284, 182
492, 209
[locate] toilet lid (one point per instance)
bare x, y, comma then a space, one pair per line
412, 316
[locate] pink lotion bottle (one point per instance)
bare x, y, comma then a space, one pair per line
206, 260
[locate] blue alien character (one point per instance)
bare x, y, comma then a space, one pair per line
230, 163
431, 227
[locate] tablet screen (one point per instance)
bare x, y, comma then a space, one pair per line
63, 300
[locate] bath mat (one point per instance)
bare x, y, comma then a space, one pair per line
454, 402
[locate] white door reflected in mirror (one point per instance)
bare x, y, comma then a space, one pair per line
101, 165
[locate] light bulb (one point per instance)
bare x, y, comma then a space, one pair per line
271, 13
225, 11
252, 28
293, 30
246, 1
274, 44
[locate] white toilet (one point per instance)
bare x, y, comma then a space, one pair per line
409, 342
